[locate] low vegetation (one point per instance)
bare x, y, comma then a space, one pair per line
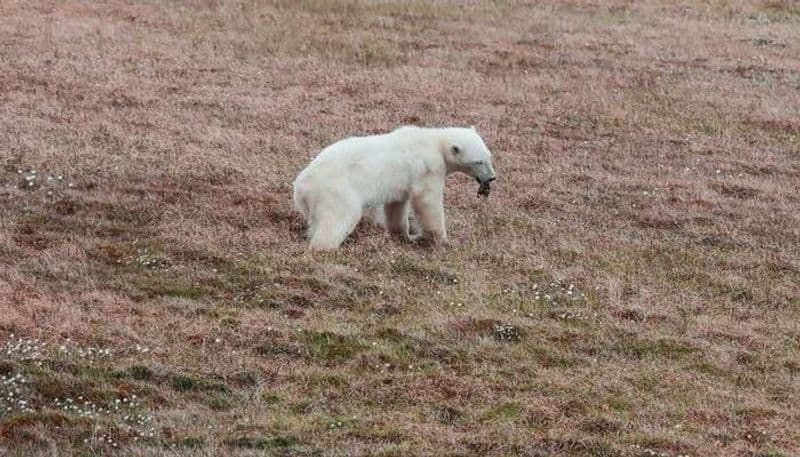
630, 288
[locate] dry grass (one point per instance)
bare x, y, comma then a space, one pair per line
631, 287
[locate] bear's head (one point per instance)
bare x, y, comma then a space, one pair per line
467, 153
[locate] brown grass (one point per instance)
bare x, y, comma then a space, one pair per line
648, 153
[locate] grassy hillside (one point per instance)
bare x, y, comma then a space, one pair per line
630, 288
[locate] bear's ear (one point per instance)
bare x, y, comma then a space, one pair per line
455, 149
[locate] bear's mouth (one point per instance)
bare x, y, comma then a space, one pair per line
483, 190
485, 186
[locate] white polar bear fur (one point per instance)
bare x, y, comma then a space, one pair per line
394, 173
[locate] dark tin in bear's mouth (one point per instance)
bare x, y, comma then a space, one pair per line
483, 190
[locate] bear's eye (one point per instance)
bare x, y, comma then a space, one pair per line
479, 162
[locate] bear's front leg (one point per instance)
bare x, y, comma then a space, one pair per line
428, 206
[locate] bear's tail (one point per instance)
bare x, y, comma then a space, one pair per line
299, 202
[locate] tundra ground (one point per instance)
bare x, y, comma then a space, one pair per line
630, 288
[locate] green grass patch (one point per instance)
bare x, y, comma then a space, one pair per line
506, 411
151, 286
217, 401
405, 267
140, 373
666, 348
183, 383
333, 347
191, 442
274, 442
600, 425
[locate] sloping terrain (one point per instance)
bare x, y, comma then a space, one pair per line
630, 288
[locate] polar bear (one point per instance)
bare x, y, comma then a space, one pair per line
394, 172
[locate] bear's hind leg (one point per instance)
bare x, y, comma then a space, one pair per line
397, 218
331, 228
